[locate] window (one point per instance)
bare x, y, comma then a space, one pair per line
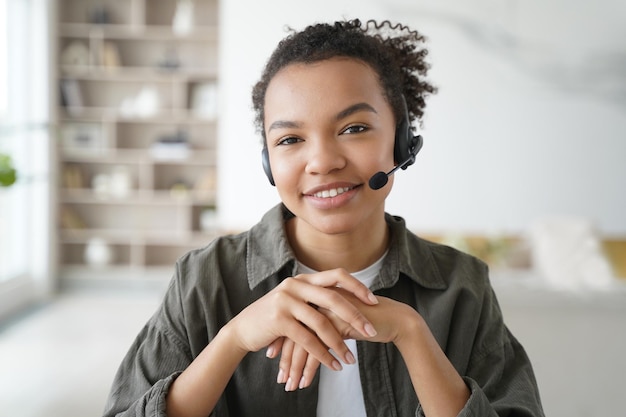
24, 136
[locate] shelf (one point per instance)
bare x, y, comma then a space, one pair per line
136, 156
139, 198
138, 74
111, 116
137, 146
148, 237
138, 32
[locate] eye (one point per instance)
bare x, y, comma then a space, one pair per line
355, 129
289, 140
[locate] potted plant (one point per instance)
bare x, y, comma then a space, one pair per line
8, 175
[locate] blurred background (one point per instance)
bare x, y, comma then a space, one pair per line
127, 138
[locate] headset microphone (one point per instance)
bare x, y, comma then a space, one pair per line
379, 180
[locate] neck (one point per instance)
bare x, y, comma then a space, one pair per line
352, 251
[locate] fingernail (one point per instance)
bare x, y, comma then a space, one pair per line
281, 377
349, 357
288, 385
302, 383
269, 352
372, 298
336, 366
370, 330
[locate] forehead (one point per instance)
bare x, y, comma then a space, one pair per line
336, 80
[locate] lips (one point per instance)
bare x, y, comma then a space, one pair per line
333, 192
330, 190
331, 195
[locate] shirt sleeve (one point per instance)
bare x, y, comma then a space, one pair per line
499, 375
510, 390
157, 356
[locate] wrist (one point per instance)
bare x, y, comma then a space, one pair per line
410, 331
228, 336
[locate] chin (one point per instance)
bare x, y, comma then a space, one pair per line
334, 224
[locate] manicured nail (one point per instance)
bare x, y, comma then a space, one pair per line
302, 382
281, 377
336, 366
269, 352
290, 385
372, 298
349, 357
370, 330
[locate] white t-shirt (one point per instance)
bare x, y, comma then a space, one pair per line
340, 392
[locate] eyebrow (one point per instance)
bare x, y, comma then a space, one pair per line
355, 108
283, 124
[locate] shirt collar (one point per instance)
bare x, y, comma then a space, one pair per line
411, 256
269, 252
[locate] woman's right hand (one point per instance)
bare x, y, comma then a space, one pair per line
290, 311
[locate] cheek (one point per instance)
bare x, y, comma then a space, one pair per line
284, 171
382, 158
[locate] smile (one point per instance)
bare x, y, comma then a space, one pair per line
333, 192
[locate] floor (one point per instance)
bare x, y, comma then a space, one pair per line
59, 359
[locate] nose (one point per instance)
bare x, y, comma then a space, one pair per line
326, 155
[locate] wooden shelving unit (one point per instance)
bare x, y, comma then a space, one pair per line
137, 134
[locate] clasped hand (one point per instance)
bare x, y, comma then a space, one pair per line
306, 317
298, 366
298, 310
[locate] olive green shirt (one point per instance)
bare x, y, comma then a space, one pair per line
211, 285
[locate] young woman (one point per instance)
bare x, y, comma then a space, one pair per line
329, 306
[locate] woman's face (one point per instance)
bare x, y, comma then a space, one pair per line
329, 129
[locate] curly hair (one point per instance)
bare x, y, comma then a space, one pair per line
395, 52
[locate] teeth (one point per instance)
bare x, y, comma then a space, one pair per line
331, 193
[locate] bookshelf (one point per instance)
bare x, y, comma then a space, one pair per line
136, 141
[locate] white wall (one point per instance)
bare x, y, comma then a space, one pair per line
528, 122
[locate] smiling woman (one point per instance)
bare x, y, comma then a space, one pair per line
308, 312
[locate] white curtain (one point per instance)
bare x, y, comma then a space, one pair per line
26, 222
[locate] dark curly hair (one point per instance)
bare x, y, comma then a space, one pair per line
394, 51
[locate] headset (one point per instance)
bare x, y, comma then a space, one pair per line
405, 148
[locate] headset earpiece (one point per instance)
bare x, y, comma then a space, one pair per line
265, 160
406, 146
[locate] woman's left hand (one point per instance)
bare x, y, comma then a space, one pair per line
391, 319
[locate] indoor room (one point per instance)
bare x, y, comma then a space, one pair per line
128, 139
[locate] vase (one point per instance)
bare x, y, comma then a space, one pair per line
98, 253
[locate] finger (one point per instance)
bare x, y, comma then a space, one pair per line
291, 317
333, 300
323, 330
310, 369
346, 330
285, 361
274, 348
314, 344
298, 360
341, 278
